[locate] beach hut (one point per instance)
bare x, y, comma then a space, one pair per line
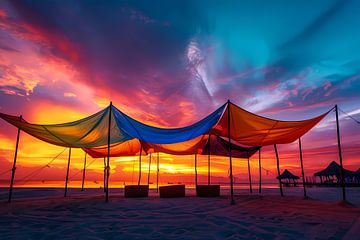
288, 178
332, 174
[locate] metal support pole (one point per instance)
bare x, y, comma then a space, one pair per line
209, 155
196, 178
342, 175
104, 175
302, 167
140, 165
157, 173
250, 184
67, 173
14, 164
83, 177
108, 155
259, 170
149, 169
231, 173
278, 170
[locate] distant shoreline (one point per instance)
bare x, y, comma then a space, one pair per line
120, 185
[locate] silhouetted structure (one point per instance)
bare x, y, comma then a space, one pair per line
332, 174
288, 178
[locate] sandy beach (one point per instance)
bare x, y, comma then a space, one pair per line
85, 215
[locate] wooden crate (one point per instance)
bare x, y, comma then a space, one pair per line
172, 191
136, 191
208, 190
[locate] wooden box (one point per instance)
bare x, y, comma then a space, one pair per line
172, 191
136, 191
208, 190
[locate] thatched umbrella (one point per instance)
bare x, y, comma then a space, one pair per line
333, 169
287, 175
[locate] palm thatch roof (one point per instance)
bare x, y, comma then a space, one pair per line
333, 169
287, 175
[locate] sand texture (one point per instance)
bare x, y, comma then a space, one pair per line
252, 217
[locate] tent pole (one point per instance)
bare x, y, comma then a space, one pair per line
140, 165
157, 173
104, 175
149, 169
231, 173
108, 155
209, 155
67, 173
278, 169
196, 178
302, 167
14, 164
259, 170
250, 185
342, 175
83, 178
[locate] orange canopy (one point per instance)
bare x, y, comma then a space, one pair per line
183, 148
132, 148
199, 145
122, 149
253, 130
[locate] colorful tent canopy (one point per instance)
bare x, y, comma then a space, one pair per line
128, 137
253, 130
245, 128
183, 148
220, 146
121, 149
132, 148
92, 131
88, 132
157, 135
198, 145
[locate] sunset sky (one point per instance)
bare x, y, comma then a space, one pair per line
171, 63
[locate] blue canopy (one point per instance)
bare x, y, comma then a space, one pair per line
157, 135
92, 131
